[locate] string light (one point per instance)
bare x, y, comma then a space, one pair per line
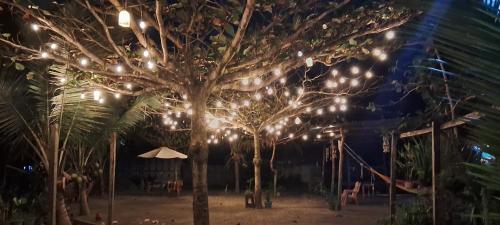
334, 72
343, 100
143, 25
117, 95
101, 101
82, 96
324, 26
97, 95
151, 65
337, 99
269, 91
354, 82
84, 61
184, 96
298, 120
119, 68
319, 111
246, 103
383, 57
189, 112
286, 93
331, 84
332, 134
318, 136
332, 108
291, 135
309, 62
35, 27
234, 105
389, 35
308, 109
62, 80
218, 104
342, 80
300, 53
354, 70
124, 18
53, 46
128, 86
258, 96
368, 74
145, 53
300, 91
305, 137
245, 81
282, 80
44, 55
257, 81
343, 107
277, 71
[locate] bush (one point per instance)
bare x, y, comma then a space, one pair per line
415, 213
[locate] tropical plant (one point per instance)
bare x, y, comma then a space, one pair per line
416, 160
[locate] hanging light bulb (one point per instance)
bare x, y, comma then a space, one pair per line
319, 111
309, 62
270, 91
82, 96
389, 35
84, 61
101, 101
143, 25
337, 99
332, 134
119, 68
245, 81
277, 71
354, 82
124, 18
331, 84
354, 70
97, 95
53, 46
118, 95
257, 81
342, 80
145, 53
291, 135
35, 27
343, 100
343, 108
298, 120
234, 105
218, 104
308, 109
44, 55
151, 65
189, 112
128, 86
332, 108
334, 72
282, 80
300, 53
318, 136
324, 26
305, 137
286, 93
246, 103
383, 57
258, 96
300, 91
376, 52
368, 74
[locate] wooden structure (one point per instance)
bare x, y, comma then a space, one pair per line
111, 184
53, 172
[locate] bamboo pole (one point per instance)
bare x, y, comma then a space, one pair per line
341, 162
392, 185
436, 169
111, 182
52, 179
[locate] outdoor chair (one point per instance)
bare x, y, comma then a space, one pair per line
351, 194
175, 187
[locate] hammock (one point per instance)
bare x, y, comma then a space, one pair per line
386, 179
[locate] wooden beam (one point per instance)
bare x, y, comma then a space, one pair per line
111, 183
436, 169
392, 185
334, 168
450, 124
341, 164
52, 179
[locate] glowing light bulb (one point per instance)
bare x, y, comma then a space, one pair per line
331, 84
332, 134
291, 135
44, 55
376, 52
53, 46
143, 25
332, 108
342, 80
257, 81
118, 95
128, 86
218, 104
343, 108
337, 99
209, 141
270, 91
246, 103
151, 65
286, 93
298, 120
354, 70
124, 18
35, 27
184, 96
258, 96
97, 95
300, 53
383, 57
277, 71
119, 68
308, 109
245, 81
305, 137
343, 100
354, 82
309, 62
145, 53
172, 127
82, 96
214, 124
189, 112
389, 35
368, 74
324, 26
283, 80
334, 72
101, 101
319, 111
300, 91
84, 61
318, 136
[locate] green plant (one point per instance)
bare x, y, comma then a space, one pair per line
416, 159
415, 213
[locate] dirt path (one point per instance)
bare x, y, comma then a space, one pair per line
229, 210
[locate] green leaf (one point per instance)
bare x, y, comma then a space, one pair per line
6, 35
352, 42
229, 29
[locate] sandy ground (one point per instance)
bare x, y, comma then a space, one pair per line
229, 210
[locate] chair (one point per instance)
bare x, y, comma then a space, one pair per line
351, 194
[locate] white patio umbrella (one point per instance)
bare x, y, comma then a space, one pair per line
164, 153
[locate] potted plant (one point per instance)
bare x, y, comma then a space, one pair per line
268, 203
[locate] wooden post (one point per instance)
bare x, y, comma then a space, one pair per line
52, 179
341, 162
334, 168
111, 182
392, 186
436, 169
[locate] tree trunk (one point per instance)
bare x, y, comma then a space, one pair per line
341, 171
334, 169
199, 151
257, 161
274, 170
62, 216
84, 201
237, 175
102, 185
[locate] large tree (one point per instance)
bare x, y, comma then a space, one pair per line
196, 48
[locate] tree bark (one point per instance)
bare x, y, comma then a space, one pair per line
102, 185
237, 175
257, 161
199, 151
341, 171
62, 216
334, 169
84, 201
274, 170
